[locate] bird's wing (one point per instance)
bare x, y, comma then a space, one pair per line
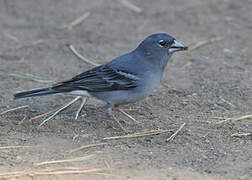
98, 79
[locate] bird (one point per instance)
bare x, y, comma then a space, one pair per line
126, 79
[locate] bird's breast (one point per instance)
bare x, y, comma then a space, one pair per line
150, 81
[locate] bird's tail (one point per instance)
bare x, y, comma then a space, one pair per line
36, 92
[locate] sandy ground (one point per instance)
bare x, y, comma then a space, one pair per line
211, 81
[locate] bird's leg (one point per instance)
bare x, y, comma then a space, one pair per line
129, 116
83, 102
110, 113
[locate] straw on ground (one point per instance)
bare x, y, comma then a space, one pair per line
14, 109
53, 171
35, 43
173, 135
81, 57
139, 134
41, 115
83, 102
61, 109
235, 119
75, 22
85, 147
26, 76
241, 135
13, 147
131, 6
91, 156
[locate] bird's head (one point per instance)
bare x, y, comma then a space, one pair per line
161, 44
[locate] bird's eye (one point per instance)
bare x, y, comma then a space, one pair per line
162, 43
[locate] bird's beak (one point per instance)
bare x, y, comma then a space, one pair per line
176, 46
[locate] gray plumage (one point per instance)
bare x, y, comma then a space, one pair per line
125, 79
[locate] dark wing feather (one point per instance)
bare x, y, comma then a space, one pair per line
99, 79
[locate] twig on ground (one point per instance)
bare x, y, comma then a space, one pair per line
111, 175
229, 103
42, 115
107, 164
118, 122
35, 43
12, 37
78, 135
13, 147
131, 6
219, 118
61, 109
204, 42
71, 47
173, 135
51, 171
14, 109
85, 147
235, 119
139, 134
129, 116
83, 102
25, 76
75, 22
24, 118
90, 170
67, 160
241, 135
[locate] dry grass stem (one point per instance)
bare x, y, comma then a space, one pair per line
22, 121
51, 171
61, 109
82, 136
139, 134
219, 118
83, 102
67, 160
112, 175
75, 22
70, 172
25, 76
12, 37
85, 147
235, 119
118, 122
71, 47
241, 135
129, 116
35, 43
173, 135
107, 164
205, 42
42, 115
131, 6
13, 147
14, 109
